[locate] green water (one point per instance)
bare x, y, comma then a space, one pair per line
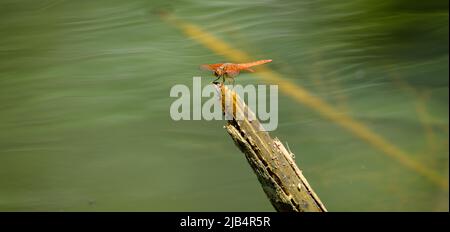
84, 103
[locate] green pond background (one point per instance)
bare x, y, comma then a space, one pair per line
84, 103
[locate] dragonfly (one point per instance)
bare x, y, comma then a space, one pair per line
230, 70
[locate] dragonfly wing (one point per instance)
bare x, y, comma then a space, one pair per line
210, 67
232, 72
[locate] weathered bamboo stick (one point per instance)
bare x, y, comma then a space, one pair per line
281, 179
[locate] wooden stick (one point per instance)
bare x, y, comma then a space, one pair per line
281, 179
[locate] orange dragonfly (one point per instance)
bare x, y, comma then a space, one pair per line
230, 70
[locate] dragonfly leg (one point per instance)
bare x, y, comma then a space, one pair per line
215, 81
